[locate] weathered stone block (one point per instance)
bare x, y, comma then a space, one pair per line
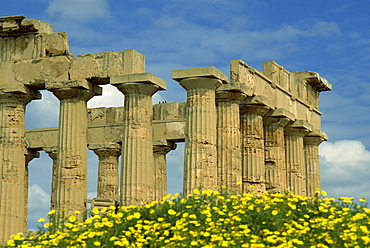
211, 72
36, 72
99, 67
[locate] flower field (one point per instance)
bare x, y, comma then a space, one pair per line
210, 219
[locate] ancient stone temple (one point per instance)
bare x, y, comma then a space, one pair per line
258, 128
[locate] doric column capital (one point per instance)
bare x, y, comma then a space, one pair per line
260, 110
18, 93
205, 77
139, 83
279, 117
206, 72
316, 137
299, 127
105, 149
232, 92
78, 89
200, 82
163, 146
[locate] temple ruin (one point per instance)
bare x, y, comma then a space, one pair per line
258, 128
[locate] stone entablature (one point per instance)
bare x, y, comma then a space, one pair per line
258, 128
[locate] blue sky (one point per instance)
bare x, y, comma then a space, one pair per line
329, 37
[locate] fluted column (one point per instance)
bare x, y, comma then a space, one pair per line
200, 158
13, 189
160, 150
253, 148
229, 160
276, 181
108, 169
53, 153
295, 159
71, 173
137, 173
311, 149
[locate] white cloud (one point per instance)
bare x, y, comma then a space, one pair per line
79, 10
38, 204
345, 152
345, 168
44, 112
111, 97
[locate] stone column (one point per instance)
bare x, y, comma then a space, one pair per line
311, 149
200, 159
295, 160
229, 160
53, 153
71, 173
13, 191
108, 154
160, 150
137, 173
253, 148
276, 181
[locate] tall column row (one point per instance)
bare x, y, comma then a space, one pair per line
262, 147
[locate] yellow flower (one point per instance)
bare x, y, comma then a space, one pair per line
274, 212
171, 212
72, 218
41, 220
97, 243
51, 212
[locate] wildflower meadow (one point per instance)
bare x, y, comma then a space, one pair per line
208, 218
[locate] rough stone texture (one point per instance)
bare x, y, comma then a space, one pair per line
233, 131
200, 161
160, 150
253, 150
13, 172
71, 172
99, 67
296, 171
229, 159
276, 180
137, 174
311, 150
108, 169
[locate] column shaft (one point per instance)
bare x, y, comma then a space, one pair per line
253, 150
276, 181
228, 145
200, 160
137, 176
137, 173
295, 160
311, 150
13, 183
108, 173
160, 169
72, 149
